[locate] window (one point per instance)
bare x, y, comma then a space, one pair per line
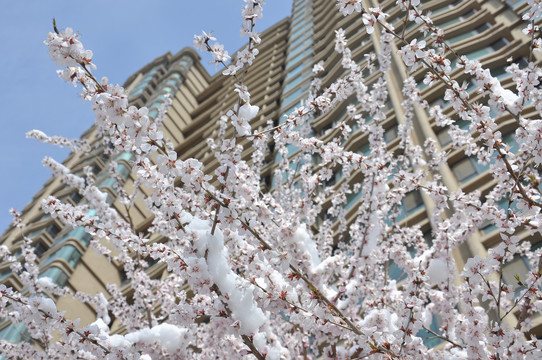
429, 339
469, 34
108, 182
78, 233
365, 149
412, 201
14, 333
391, 133
68, 253
294, 82
500, 72
464, 170
446, 7
510, 140
125, 156
467, 168
299, 47
297, 58
519, 267
444, 134
56, 275
514, 3
294, 95
52, 230
4, 273
457, 19
123, 170
352, 199
305, 28
39, 249
76, 197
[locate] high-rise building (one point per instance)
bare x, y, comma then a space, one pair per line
279, 80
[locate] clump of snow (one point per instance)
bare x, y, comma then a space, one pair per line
382, 319
373, 234
46, 283
46, 305
241, 121
169, 336
240, 301
118, 341
304, 242
508, 97
248, 112
437, 271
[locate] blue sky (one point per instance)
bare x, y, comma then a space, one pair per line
124, 36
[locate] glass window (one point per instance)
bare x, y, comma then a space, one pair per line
518, 267
412, 201
56, 275
295, 71
365, 149
514, 3
39, 249
298, 58
299, 47
296, 94
352, 199
304, 28
4, 273
78, 233
14, 333
429, 339
444, 135
52, 230
469, 34
123, 170
391, 133
395, 272
108, 182
467, 168
488, 226
457, 19
464, 170
510, 140
444, 8
125, 156
68, 253
294, 82
299, 40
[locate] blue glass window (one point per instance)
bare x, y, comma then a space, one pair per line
108, 182
294, 82
429, 339
78, 233
411, 203
294, 95
14, 333
68, 253
467, 168
125, 156
56, 275
352, 199
298, 57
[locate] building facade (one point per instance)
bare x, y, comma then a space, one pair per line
279, 80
